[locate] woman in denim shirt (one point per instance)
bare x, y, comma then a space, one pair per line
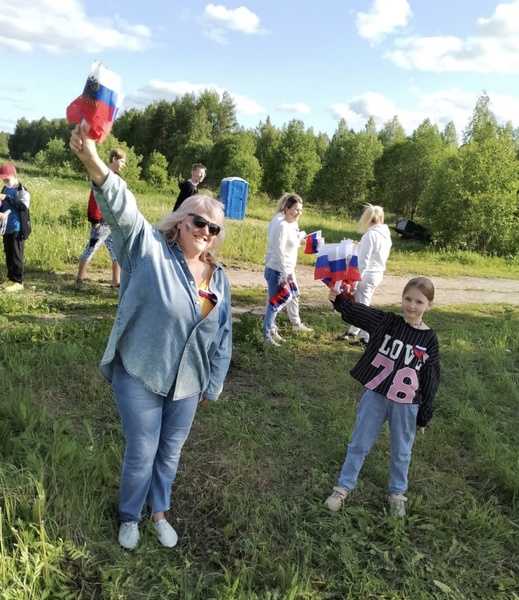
170, 346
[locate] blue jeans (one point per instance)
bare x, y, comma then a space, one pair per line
273, 282
155, 429
374, 410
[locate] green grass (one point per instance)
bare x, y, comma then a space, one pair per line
58, 209
248, 499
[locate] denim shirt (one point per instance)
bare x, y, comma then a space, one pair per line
159, 332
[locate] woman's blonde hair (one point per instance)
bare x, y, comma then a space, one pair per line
422, 284
198, 205
372, 215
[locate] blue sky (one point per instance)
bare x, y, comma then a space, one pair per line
317, 61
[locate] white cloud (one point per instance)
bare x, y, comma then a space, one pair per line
493, 48
163, 90
62, 27
358, 110
299, 108
440, 107
219, 21
384, 17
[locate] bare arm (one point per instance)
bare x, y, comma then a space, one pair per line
85, 149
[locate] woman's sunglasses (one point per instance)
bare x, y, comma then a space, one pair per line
200, 222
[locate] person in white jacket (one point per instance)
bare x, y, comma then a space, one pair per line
284, 240
291, 307
373, 252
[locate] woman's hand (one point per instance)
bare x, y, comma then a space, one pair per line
84, 147
332, 295
422, 430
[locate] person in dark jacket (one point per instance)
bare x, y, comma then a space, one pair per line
99, 231
190, 187
15, 225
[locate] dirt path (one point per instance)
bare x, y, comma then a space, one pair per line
463, 290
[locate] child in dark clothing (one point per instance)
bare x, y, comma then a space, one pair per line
14, 218
400, 369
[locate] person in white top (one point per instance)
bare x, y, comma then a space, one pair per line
373, 252
284, 240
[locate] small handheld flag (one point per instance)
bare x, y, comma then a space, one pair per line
338, 265
3, 224
313, 242
99, 103
280, 298
286, 292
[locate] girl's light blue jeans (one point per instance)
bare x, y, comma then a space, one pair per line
374, 410
273, 279
155, 429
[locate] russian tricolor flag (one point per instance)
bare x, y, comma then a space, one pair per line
314, 241
322, 264
99, 103
338, 262
420, 353
280, 298
353, 273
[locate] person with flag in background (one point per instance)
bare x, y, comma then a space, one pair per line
15, 220
190, 187
373, 252
284, 240
99, 231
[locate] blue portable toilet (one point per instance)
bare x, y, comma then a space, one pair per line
233, 194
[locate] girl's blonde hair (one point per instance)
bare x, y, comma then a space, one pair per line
372, 215
282, 202
423, 284
198, 205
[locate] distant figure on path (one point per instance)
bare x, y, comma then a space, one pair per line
14, 219
190, 187
99, 231
284, 241
373, 252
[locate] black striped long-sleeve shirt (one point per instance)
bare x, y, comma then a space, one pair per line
400, 362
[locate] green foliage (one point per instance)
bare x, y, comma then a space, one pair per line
292, 163
4, 144
155, 170
75, 217
347, 170
479, 187
29, 138
391, 132
55, 159
403, 171
233, 156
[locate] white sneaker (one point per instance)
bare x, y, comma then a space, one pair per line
270, 341
129, 535
277, 337
167, 535
397, 505
337, 497
301, 328
13, 286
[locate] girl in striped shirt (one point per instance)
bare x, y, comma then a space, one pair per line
400, 370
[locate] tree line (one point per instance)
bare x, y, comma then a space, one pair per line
465, 193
